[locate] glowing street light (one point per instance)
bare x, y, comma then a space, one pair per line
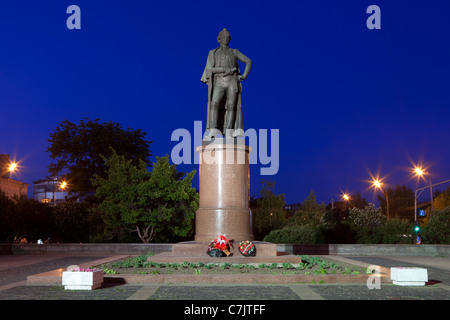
63, 185
12, 167
7, 169
346, 197
379, 185
420, 173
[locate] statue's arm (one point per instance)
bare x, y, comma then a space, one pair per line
248, 64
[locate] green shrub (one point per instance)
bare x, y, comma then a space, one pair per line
395, 231
296, 234
437, 230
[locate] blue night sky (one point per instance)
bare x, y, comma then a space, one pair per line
347, 101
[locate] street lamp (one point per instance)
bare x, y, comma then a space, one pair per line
7, 168
379, 185
420, 173
12, 167
347, 198
63, 185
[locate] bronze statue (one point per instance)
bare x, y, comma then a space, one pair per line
223, 77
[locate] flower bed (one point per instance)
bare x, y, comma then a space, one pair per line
309, 266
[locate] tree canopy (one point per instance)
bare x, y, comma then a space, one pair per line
146, 202
78, 150
269, 213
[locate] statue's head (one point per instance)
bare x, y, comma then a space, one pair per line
224, 37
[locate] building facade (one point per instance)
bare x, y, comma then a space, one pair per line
49, 191
10, 186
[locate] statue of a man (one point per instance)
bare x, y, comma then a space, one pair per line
223, 77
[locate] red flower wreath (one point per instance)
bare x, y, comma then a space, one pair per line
247, 248
219, 247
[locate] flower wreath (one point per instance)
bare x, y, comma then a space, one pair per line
247, 248
219, 247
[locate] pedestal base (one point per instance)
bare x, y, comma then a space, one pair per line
224, 191
195, 251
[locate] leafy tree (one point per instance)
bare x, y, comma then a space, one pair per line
442, 200
71, 221
437, 229
365, 222
78, 150
401, 202
269, 213
311, 212
32, 219
8, 219
146, 202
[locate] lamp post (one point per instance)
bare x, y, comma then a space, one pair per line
379, 185
420, 173
421, 189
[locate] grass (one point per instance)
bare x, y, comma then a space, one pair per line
309, 265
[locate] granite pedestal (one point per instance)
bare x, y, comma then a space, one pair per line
224, 191
224, 208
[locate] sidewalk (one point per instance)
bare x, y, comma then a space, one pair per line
14, 270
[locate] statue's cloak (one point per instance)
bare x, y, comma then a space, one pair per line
208, 78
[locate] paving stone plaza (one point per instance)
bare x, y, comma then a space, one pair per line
14, 270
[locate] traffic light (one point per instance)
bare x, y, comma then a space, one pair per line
417, 227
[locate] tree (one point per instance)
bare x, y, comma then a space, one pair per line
146, 202
78, 150
269, 213
401, 202
365, 222
311, 212
437, 230
8, 219
442, 200
71, 221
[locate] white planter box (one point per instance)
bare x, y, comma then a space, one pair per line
409, 276
76, 280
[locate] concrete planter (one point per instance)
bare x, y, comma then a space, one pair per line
409, 276
82, 280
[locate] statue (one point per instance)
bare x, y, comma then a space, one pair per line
222, 74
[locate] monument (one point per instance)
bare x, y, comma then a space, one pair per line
224, 162
224, 176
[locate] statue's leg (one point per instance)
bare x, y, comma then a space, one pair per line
215, 104
214, 111
230, 114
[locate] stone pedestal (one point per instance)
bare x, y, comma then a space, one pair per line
224, 209
224, 191
195, 251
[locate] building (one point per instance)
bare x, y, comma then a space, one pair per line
10, 186
49, 190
